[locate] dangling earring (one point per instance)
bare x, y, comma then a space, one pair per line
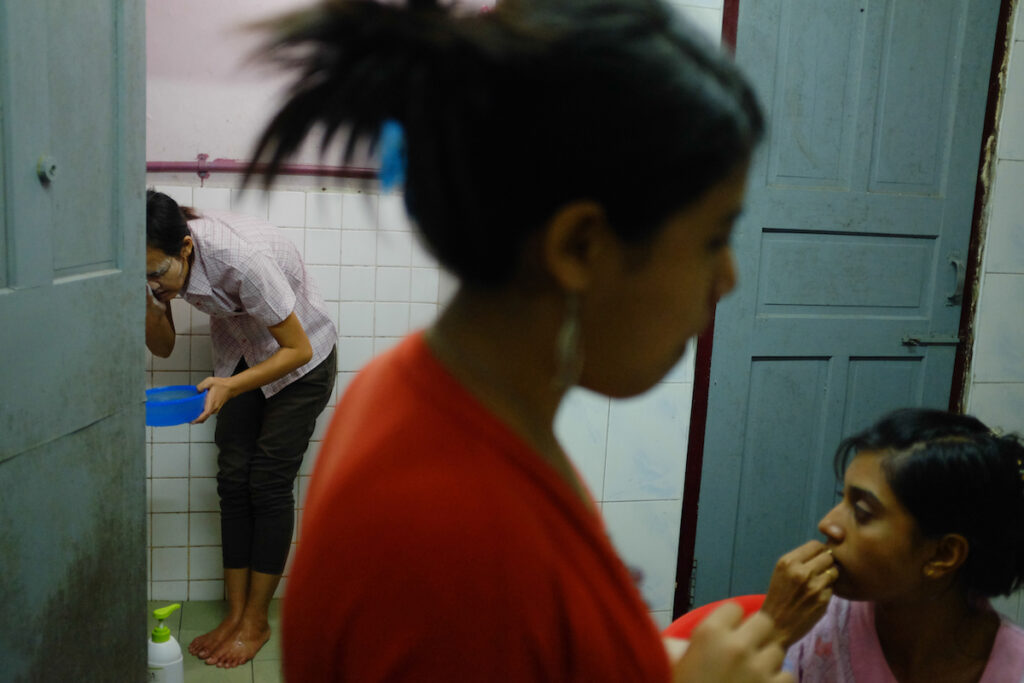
568, 354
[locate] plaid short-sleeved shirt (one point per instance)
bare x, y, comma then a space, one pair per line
247, 276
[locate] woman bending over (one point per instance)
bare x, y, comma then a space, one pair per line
578, 165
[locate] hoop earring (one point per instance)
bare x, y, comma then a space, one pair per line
568, 354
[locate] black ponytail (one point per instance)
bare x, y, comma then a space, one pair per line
512, 113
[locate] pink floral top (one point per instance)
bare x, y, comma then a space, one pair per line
843, 648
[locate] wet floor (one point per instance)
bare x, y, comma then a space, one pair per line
198, 617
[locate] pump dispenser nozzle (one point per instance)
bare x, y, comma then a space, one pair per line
161, 633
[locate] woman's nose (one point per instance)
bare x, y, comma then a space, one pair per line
830, 527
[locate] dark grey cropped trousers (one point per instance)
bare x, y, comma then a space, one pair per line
261, 444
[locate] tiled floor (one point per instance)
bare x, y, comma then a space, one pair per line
195, 618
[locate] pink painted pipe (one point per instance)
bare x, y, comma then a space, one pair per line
203, 168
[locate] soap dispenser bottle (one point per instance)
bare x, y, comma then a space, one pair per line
166, 665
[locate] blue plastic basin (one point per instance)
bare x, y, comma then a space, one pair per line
167, 406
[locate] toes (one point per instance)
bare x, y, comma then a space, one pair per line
230, 662
203, 646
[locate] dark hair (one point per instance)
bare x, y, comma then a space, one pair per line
510, 114
166, 223
954, 475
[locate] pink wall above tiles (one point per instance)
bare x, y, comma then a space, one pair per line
202, 94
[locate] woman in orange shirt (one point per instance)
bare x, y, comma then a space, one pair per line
578, 165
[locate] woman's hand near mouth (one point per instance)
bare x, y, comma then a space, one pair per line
159, 325
800, 589
154, 305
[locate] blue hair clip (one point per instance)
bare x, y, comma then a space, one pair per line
392, 155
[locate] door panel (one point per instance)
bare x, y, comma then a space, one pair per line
815, 136
72, 302
919, 67
842, 274
3, 190
83, 123
769, 448
879, 385
858, 201
72, 467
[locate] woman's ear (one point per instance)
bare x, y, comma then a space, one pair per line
186, 247
950, 554
575, 243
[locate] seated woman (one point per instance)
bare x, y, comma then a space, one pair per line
930, 525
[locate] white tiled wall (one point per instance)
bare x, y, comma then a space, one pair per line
706, 15
379, 284
632, 454
996, 389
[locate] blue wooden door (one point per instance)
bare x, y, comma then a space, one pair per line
857, 223
72, 473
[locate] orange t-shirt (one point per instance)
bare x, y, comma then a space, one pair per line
436, 545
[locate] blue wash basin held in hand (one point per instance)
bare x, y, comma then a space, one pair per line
167, 406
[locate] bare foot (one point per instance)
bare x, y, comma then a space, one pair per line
241, 646
203, 646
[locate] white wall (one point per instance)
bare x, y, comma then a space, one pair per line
205, 94
200, 94
996, 387
380, 285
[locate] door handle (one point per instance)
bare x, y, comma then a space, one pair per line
935, 340
957, 261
